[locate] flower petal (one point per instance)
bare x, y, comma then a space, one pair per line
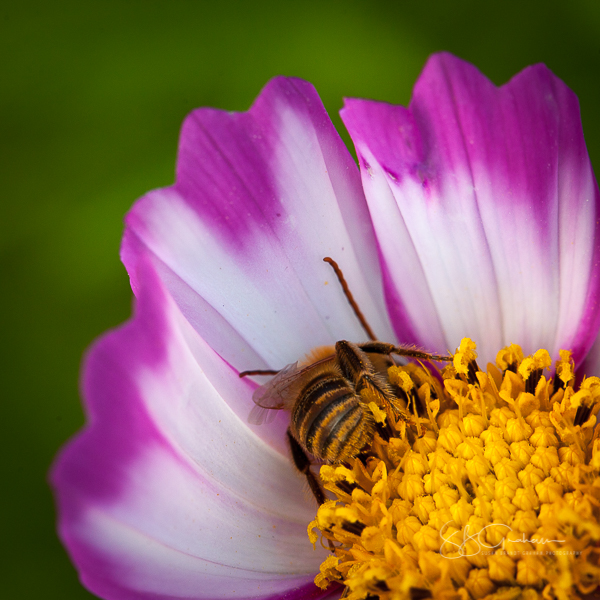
261, 198
168, 492
485, 206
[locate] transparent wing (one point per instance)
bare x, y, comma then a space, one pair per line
280, 392
260, 415
276, 391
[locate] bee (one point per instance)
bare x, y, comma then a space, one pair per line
329, 417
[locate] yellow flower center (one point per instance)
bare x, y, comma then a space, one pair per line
490, 487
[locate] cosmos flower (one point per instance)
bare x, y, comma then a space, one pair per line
473, 214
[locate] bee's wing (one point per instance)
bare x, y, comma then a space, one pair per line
260, 415
273, 395
280, 392
276, 391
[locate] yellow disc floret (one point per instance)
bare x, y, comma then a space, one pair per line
486, 486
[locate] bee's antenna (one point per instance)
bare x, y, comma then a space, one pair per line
350, 298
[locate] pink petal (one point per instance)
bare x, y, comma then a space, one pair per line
485, 207
168, 493
261, 198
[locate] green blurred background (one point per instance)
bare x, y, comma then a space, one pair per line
92, 97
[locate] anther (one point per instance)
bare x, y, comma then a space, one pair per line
363, 457
382, 585
582, 414
385, 431
419, 593
473, 368
558, 383
401, 394
468, 485
346, 486
356, 528
415, 406
533, 380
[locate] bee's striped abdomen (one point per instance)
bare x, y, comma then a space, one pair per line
328, 419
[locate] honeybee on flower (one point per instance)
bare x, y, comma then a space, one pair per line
336, 397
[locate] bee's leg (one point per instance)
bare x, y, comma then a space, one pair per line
382, 391
257, 372
383, 348
302, 463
